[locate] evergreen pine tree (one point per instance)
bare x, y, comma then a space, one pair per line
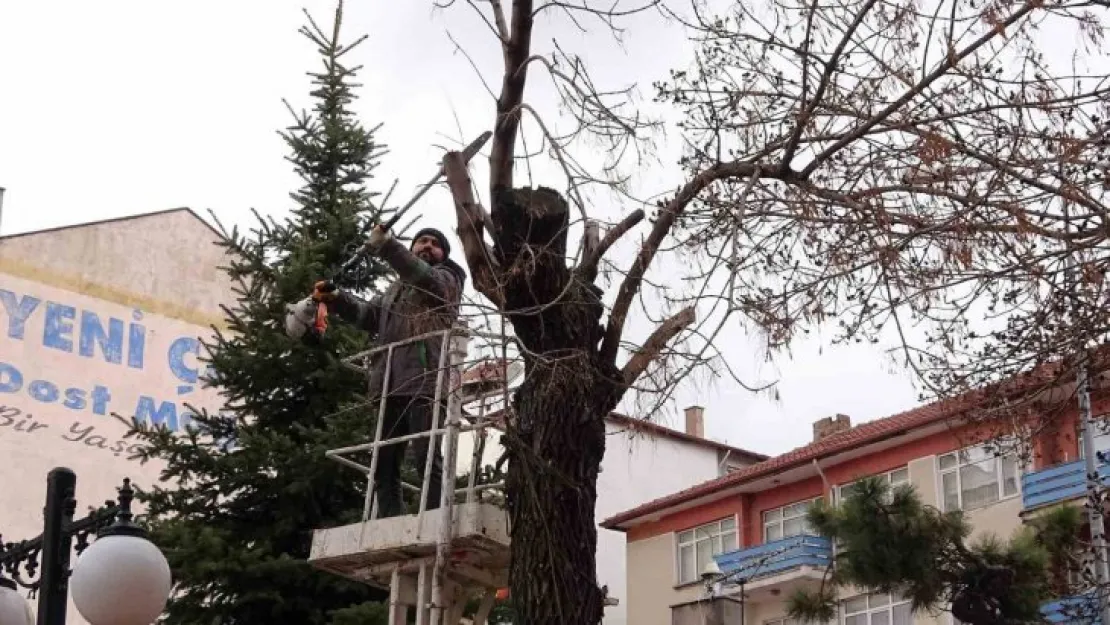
246, 488
889, 541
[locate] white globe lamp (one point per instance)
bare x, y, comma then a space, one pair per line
14, 609
121, 578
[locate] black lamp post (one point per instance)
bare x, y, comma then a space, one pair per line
138, 576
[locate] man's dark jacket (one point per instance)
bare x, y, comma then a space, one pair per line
425, 299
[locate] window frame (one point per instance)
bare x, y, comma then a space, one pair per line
715, 530
1101, 434
782, 519
955, 469
888, 475
868, 611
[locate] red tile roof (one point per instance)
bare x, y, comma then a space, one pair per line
862, 434
633, 423
872, 432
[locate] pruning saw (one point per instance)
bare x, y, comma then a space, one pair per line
321, 322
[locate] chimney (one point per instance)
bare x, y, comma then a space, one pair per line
695, 421
824, 428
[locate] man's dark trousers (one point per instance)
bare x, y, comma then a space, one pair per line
406, 414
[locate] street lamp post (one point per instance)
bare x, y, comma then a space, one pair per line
119, 579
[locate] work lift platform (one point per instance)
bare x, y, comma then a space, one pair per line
434, 561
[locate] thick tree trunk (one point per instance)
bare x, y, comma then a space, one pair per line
556, 439
552, 490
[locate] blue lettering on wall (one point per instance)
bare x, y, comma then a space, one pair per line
58, 329
185, 420
136, 342
178, 349
100, 397
87, 335
11, 380
75, 399
165, 414
92, 333
43, 391
18, 311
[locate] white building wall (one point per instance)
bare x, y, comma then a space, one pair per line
98, 322
638, 468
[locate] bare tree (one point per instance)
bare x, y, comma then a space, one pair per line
928, 172
877, 162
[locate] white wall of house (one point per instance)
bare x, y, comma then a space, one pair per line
96, 320
639, 467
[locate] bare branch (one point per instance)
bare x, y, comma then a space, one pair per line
656, 343
470, 219
588, 268
507, 123
665, 220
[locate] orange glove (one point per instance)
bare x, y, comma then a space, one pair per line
324, 291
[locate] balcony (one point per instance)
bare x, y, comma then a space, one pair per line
1058, 483
1077, 610
778, 564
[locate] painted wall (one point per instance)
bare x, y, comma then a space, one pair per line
651, 588
639, 467
98, 323
651, 547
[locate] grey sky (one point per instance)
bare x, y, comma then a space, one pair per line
113, 109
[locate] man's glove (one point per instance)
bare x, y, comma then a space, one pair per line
300, 317
379, 236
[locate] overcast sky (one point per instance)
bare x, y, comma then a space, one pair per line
113, 109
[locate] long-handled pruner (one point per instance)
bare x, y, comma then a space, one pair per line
321, 323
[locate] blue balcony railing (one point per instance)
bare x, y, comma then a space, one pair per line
1058, 483
778, 556
1077, 610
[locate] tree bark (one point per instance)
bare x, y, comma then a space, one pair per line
556, 438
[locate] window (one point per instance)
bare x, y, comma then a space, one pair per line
1100, 428
877, 609
787, 521
781, 621
696, 547
974, 477
894, 478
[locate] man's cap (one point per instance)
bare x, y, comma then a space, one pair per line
443, 243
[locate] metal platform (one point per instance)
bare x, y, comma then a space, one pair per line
370, 551
437, 560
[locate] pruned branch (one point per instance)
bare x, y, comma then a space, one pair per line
587, 270
470, 219
656, 343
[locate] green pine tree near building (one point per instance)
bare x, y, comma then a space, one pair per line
245, 488
889, 541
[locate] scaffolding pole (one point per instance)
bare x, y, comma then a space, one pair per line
1094, 497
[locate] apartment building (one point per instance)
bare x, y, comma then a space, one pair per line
754, 519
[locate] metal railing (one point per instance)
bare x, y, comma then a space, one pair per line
454, 346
